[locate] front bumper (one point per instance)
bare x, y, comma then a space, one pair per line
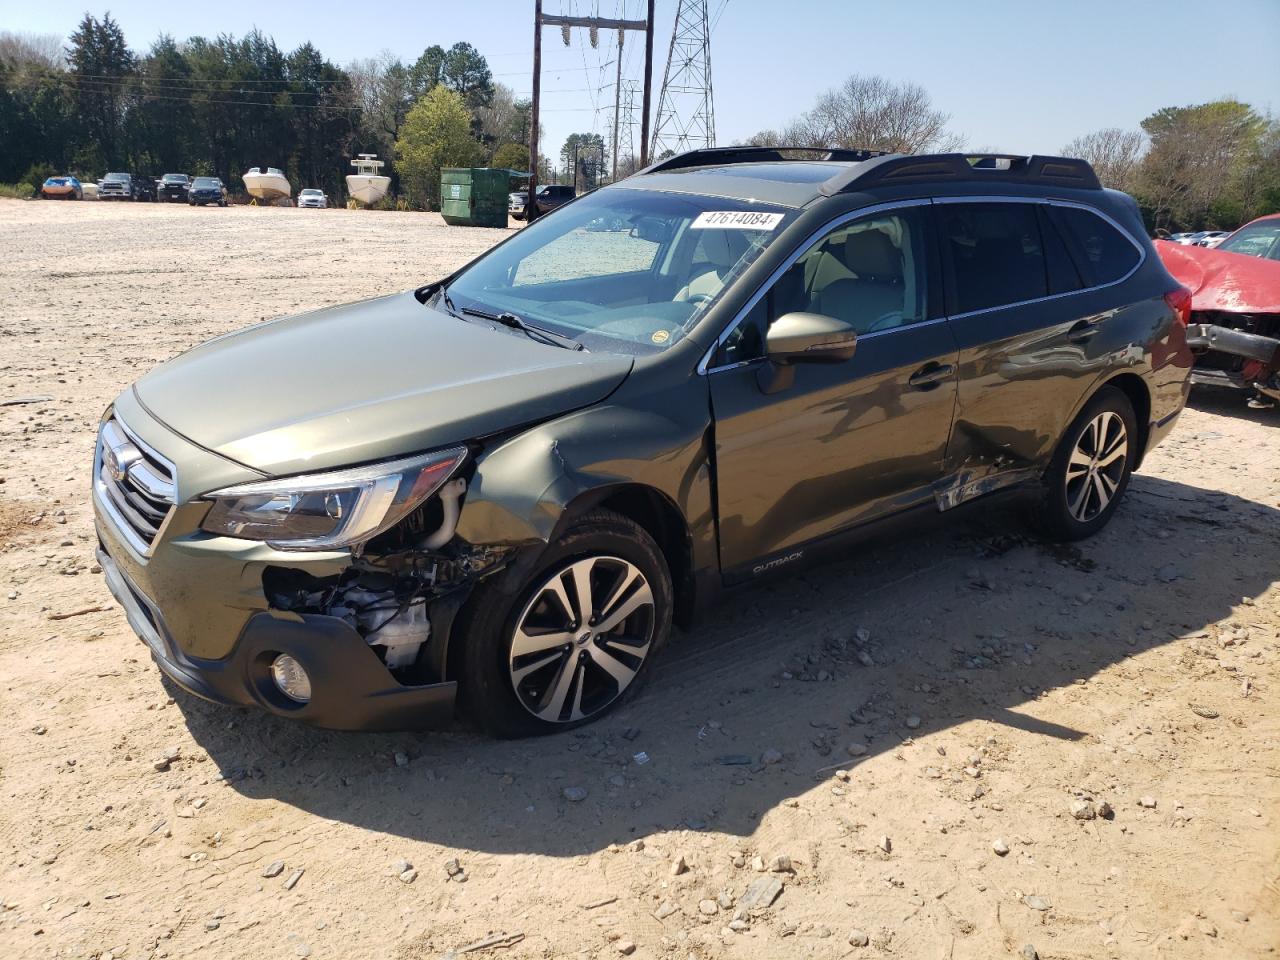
1251, 346
1208, 337
351, 689
198, 602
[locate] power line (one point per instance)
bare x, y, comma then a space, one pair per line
189, 99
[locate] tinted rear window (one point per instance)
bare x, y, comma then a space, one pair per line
1063, 275
994, 254
1103, 253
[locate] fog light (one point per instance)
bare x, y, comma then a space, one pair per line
291, 678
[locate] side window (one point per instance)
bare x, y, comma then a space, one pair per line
870, 273
994, 254
1063, 275
1103, 252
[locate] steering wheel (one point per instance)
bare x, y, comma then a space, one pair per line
699, 298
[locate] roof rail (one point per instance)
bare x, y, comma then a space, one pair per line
711, 156
965, 168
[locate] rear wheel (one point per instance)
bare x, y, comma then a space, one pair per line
574, 640
1090, 469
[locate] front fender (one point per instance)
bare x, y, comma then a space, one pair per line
526, 487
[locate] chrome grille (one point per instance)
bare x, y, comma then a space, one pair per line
134, 485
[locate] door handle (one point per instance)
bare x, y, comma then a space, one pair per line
1082, 331
930, 375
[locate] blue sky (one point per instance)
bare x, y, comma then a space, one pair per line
1016, 76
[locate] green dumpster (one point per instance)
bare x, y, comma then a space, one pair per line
474, 196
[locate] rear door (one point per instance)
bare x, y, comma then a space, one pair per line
848, 442
1024, 343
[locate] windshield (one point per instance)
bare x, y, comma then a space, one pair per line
1260, 239
116, 176
205, 183
175, 178
625, 270
310, 193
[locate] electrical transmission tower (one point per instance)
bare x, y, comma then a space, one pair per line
625, 128
686, 109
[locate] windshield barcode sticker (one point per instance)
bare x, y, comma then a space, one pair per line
736, 220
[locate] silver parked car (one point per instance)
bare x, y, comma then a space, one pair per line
311, 197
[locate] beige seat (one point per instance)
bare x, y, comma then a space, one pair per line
722, 250
875, 299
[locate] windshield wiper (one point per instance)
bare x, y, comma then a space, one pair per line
448, 301
528, 329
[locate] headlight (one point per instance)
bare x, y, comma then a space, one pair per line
327, 511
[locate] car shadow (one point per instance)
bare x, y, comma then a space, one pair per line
946, 623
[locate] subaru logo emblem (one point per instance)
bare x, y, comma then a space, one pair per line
112, 463
117, 460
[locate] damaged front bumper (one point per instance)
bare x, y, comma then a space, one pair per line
371, 630
1260, 355
351, 688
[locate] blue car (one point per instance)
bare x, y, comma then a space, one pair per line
206, 190
62, 188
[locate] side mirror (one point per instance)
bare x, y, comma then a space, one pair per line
810, 338
803, 338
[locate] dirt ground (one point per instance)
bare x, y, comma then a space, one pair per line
872, 732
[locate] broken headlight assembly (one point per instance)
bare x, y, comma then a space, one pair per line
329, 511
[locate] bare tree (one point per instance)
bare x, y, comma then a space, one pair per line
870, 112
32, 52
502, 119
381, 86
1115, 155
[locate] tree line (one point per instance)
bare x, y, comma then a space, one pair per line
1208, 166
222, 105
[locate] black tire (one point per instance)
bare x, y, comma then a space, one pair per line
1073, 507
486, 631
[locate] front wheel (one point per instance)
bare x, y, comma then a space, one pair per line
1090, 469
573, 640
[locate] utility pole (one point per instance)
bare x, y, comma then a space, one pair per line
531, 205
686, 108
541, 20
648, 86
617, 102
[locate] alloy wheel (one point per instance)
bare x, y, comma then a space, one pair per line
581, 639
1097, 466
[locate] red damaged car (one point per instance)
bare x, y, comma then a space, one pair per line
1235, 308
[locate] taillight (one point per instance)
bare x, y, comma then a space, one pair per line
1179, 299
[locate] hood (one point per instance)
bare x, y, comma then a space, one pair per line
367, 381
1219, 280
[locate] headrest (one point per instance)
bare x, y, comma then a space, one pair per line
870, 253
723, 248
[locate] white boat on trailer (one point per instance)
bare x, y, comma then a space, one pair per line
367, 185
267, 183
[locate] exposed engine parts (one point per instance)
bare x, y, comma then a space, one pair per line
387, 592
400, 629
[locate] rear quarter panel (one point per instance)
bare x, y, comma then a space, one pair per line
1023, 380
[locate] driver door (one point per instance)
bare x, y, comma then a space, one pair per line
843, 443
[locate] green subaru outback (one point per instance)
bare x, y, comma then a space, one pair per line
504, 486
